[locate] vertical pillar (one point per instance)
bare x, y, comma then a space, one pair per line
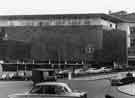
126, 27
69, 75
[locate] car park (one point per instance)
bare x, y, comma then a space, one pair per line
50, 90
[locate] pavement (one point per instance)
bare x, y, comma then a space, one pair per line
94, 89
105, 76
128, 89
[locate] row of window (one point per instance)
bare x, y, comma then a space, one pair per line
49, 89
131, 52
132, 30
46, 22
132, 42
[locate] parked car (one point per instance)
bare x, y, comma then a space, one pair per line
50, 90
4, 76
105, 69
98, 70
11, 75
63, 73
126, 80
79, 71
93, 70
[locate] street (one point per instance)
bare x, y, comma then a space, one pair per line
94, 89
10, 87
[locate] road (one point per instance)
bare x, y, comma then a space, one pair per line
95, 89
10, 87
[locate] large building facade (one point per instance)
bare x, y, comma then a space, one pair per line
81, 37
130, 28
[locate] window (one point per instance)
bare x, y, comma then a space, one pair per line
133, 42
90, 50
110, 25
59, 90
37, 90
132, 30
116, 26
49, 89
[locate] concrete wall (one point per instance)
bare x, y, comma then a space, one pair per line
54, 22
48, 41
107, 24
125, 27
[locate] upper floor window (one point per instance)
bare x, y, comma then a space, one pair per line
111, 25
132, 42
132, 30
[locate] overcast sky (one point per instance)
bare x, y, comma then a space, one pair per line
11, 7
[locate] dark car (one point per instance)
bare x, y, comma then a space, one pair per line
126, 80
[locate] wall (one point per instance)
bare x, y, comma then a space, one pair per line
59, 22
114, 47
107, 24
125, 27
11, 49
58, 41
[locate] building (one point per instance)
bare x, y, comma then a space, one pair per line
69, 36
130, 28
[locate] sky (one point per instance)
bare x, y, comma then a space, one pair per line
19, 7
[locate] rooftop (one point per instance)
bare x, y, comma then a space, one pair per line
62, 16
129, 17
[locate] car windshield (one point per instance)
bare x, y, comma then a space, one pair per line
36, 89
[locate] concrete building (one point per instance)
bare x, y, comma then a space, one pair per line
68, 30
130, 28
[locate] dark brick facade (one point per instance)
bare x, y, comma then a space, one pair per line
58, 42
65, 43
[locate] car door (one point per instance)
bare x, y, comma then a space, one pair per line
34, 96
35, 93
52, 91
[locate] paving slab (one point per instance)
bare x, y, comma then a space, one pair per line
128, 89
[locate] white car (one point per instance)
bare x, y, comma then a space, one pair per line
11, 75
79, 71
92, 70
105, 69
64, 71
3, 76
50, 90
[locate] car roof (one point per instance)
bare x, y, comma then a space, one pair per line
44, 70
51, 83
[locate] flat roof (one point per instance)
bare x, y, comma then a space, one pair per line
129, 18
62, 16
